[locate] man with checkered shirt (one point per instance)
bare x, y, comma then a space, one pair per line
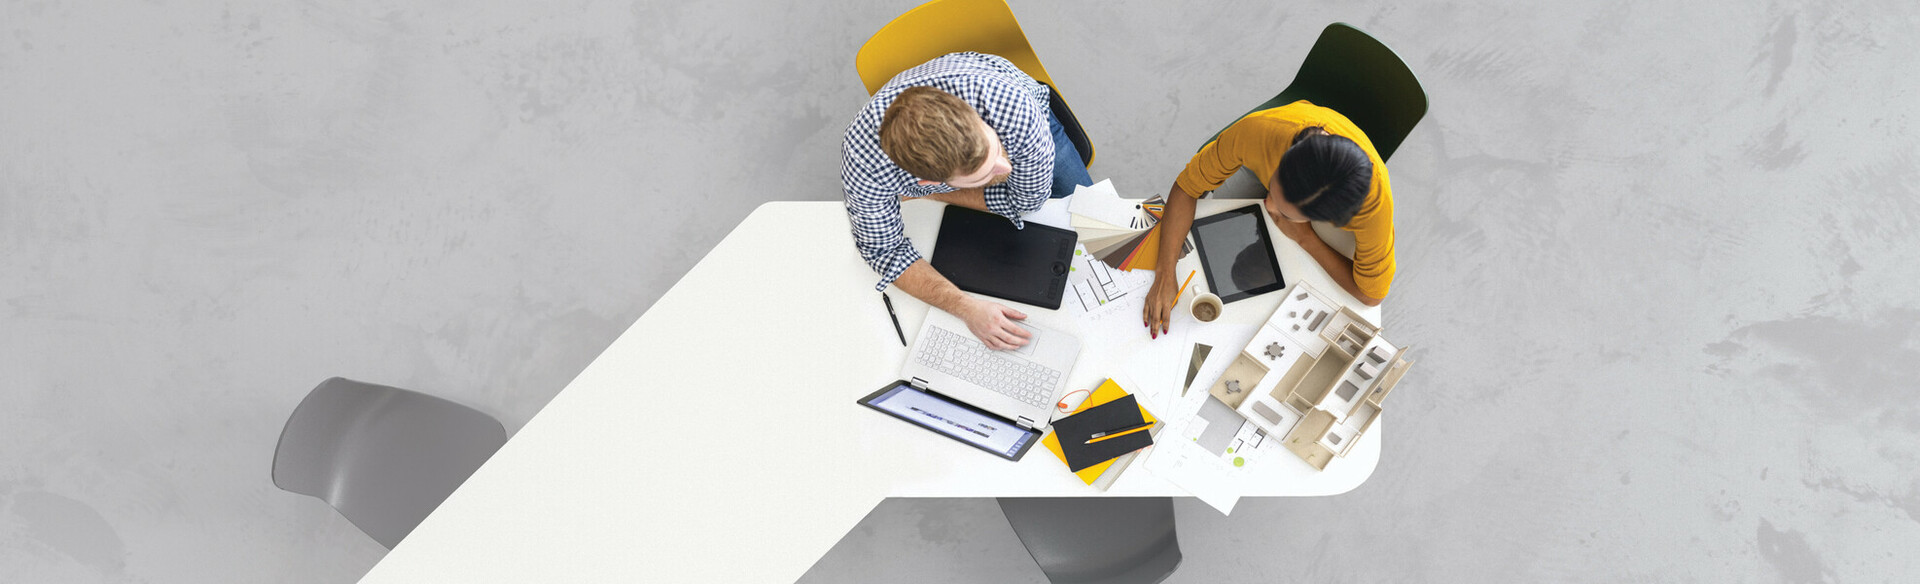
964, 129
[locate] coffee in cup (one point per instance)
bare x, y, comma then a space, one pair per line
1206, 307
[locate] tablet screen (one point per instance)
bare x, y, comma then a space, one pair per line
953, 419
1237, 254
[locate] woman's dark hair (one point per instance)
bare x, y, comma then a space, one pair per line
1327, 176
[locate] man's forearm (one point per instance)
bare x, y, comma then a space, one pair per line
925, 283
974, 198
1174, 225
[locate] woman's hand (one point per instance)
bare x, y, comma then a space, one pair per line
1160, 299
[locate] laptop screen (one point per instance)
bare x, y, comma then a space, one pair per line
955, 420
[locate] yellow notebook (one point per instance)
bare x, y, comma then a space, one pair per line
1107, 392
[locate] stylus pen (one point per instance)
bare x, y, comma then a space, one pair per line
1118, 433
895, 317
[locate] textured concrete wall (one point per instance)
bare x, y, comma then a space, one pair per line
1657, 259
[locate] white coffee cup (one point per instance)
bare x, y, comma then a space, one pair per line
1206, 307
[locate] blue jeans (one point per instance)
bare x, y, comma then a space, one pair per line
1068, 171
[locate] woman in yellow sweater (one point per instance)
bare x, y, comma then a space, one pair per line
1317, 166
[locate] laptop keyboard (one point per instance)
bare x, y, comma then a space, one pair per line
967, 358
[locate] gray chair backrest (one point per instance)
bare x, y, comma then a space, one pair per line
1107, 540
1350, 72
384, 457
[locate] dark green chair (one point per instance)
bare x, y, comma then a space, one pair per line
1352, 73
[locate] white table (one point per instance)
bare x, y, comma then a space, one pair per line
717, 440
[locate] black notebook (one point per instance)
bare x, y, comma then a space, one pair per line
1118, 414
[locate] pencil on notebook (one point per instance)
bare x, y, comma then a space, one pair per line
1116, 434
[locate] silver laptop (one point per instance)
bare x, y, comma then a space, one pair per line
1020, 384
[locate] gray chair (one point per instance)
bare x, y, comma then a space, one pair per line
384, 457
1350, 72
1107, 540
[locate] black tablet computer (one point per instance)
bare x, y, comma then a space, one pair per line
953, 419
1237, 254
981, 252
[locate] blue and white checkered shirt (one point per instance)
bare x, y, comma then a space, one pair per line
1012, 103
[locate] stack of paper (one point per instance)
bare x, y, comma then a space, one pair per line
1102, 204
1205, 460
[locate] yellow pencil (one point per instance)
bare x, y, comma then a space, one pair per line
1183, 286
1141, 428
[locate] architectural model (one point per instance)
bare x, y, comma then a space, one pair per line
1318, 374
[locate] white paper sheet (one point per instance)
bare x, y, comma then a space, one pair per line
1101, 203
1184, 463
1251, 447
1053, 213
1106, 304
1093, 284
1159, 366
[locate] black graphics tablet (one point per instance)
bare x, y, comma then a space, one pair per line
1237, 254
953, 419
981, 252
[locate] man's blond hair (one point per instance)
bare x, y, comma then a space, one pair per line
931, 134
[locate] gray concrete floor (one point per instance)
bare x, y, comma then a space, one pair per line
1657, 258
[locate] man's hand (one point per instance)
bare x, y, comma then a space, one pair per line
1300, 232
1160, 299
993, 325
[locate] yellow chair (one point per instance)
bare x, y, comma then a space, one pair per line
949, 26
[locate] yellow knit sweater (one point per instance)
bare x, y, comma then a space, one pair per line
1257, 141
